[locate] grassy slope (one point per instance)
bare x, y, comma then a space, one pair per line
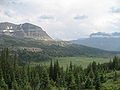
65, 61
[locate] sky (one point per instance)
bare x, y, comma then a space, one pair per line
64, 19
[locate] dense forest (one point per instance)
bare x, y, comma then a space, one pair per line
17, 76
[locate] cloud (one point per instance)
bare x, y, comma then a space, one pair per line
82, 17
9, 13
62, 18
115, 10
46, 17
3, 2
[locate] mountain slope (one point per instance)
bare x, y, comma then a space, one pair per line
25, 30
52, 48
110, 44
105, 41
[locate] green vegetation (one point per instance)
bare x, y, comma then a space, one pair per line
84, 62
65, 61
54, 48
27, 56
14, 76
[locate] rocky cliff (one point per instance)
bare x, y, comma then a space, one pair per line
25, 30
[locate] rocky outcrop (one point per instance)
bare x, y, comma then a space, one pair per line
25, 30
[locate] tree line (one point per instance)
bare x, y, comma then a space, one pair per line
14, 76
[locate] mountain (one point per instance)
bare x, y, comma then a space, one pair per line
25, 30
52, 48
105, 41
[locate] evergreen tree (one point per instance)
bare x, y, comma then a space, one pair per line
116, 63
88, 83
71, 66
78, 82
102, 78
97, 82
60, 82
115, 76
28, 87
36, 81
44, 81
56, 70
15, 85
3, 85
71, 85
51, 71
91, 73
94, 67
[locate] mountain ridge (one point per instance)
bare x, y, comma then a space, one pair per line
105, 41
25, 30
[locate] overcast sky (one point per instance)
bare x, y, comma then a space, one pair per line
64, 19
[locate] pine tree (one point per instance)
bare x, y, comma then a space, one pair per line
115, 76
102, 78
28, 73
116, 63
71, 85
3, 85
97, 82
71, 66
15, 85
1, 74
15, 62
88, 83
24, 77
51, 71
60, 82
36, 81
56, 70
78, 82
28, 87
44, 81
91, 73
94, 67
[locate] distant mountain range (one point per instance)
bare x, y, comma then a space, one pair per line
105, 41
32, 38
25, 30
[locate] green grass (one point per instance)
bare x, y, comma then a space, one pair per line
65, 61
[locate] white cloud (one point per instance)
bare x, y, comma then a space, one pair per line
80, 17
115, 10
57, 17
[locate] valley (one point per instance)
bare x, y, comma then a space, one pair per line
60, 73
59, 44
33, 64
78, 61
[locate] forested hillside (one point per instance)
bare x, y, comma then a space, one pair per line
14, 76
52, 48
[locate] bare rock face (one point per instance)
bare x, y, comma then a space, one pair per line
25, 30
